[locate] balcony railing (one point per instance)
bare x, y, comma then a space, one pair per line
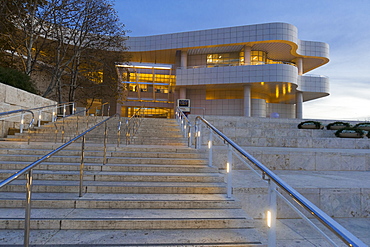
234, 64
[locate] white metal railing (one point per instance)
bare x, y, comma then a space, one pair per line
185, 124
255, 63
44, 113
276, 186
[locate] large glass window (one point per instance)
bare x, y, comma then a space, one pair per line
223, 59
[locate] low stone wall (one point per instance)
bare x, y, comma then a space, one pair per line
12, 98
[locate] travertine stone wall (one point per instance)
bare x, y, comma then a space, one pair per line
303, 158
12, 98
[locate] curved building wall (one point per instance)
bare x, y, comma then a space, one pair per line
237, 74
238, 87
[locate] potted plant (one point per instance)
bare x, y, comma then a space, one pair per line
337, 125
363, 126
350, 132
310, 125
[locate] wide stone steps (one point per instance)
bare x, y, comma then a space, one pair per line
132, 238
157, 192
62, 186
110, 160
109, 167
121, 176
99, 153
122, 201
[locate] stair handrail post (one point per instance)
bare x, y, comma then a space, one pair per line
210, 149
54, 116
22, 122
39, 118
119, 132
105, 143
229, 166
271, 214
127, 131
27, 219
82, 164
62, 131
188, 134
199, 134
196, 134
64, 110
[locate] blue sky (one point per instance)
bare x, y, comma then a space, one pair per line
344, 25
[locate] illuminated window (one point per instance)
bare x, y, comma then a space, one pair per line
223, 59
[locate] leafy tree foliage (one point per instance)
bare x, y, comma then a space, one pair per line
68, 39
16, 79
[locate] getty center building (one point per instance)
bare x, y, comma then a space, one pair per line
253, 71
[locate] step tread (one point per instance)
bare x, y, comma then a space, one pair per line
132, 238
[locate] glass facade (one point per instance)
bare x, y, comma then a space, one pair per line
147, 84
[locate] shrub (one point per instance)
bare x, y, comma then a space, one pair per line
360, 132
337, 124
306, 124
16, 79
363, 126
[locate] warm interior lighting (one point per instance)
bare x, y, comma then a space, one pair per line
284, 89
277, 91
268, 218
289, 88
262, 83
227, 167
189, 134
209, 144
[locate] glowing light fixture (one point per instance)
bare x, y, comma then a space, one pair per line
268, 218
209, 144
277, 91
227, 167
262, 83
289, 88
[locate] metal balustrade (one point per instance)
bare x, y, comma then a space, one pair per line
50, 110
276, 186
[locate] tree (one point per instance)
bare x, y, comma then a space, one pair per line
26, 31
63, 37
80, 30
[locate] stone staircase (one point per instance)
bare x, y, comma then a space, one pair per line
156, 192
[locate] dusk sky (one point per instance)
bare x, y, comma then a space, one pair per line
344, 25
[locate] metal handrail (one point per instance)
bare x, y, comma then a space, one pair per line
29, 169
101, 109
342, 233
22, 112
132, 125
185, 124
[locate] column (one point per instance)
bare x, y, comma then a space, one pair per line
247, 55
182, 93
299, 105
184, 59
300, 66
247, 100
